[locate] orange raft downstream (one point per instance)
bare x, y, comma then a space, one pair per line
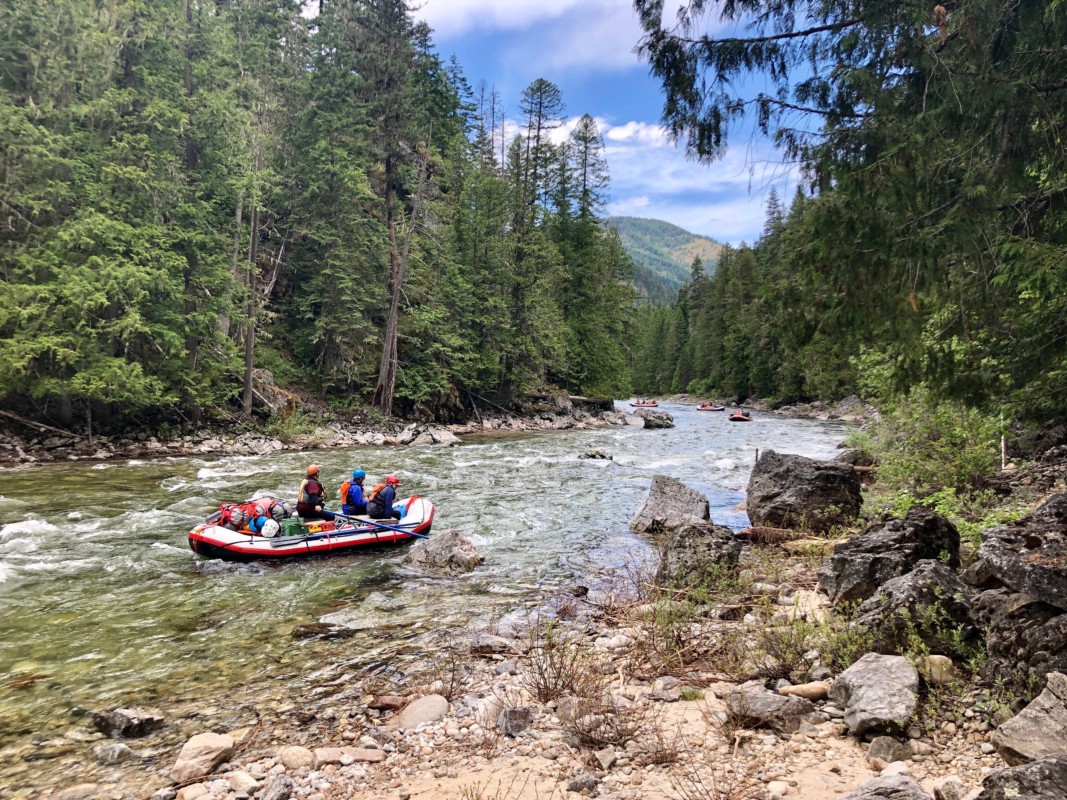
314, 538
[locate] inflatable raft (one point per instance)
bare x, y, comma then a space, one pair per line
314, 538
649, 404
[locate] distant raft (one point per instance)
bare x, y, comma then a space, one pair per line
740, 416
710, 407
314, 538
646, 404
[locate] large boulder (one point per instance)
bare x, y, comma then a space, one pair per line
788, 491
1025, 638
888, 787
201, 754
670, 505
930, 602
1040, 729
1045, 779
1029, 555
888, 548
698, 555
655, 419
268, 395
756, 707
878, 693
448, 553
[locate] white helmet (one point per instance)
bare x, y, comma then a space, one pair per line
271, 529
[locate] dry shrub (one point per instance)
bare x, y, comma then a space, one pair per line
661, 747
781, 649
559, 663
596, 722
506, 791
707, 780
449, 669
671, 636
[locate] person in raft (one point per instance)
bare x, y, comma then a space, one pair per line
381, 498
353, 501
310, 501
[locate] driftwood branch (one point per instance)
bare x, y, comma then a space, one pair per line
40, 425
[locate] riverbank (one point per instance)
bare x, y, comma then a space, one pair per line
517, 711
297, 432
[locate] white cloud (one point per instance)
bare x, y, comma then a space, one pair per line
651, 177
455, 17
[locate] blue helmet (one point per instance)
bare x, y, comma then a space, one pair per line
357, 474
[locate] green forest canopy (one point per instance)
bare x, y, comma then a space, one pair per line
195, 190
929, 248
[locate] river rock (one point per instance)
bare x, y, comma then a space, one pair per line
1045, 779
789, 491
670, 505
430, 708
201, 754
655, 419
886, 549
513, 721
192, 792
387, 702
888, 787
128, 722
878, 693
280, 788
583, 782
1025, 638
241, 781
448, 553
697, 555
930, 602
888, 749
81, 791
114, 753
597, 454
1038, 730
813, 690
949, 788
756, 707
937, 670
1028, 555
295, 757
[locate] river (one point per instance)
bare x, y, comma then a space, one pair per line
103, 603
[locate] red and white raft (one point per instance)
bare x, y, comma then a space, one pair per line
315, 538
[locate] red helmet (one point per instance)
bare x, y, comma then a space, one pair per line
392, 479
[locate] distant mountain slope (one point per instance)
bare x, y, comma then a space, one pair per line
663, 254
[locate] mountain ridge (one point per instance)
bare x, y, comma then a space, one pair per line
663, 254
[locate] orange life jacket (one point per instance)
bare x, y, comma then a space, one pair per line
374, 492
344, 491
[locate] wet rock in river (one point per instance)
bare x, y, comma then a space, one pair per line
888, 548
128, 722
448, 553
114, 753
789, 491
655, 419
670, 505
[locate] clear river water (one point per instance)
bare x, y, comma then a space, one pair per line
102, 603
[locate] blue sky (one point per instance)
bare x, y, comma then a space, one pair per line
586, 48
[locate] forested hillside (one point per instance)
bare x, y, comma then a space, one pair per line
192, 191
925, 258
662, 254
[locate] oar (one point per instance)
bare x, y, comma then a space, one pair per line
381, 525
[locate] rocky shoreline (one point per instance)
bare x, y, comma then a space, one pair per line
726, 669
548, 413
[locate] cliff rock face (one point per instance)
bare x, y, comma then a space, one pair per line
788, 491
